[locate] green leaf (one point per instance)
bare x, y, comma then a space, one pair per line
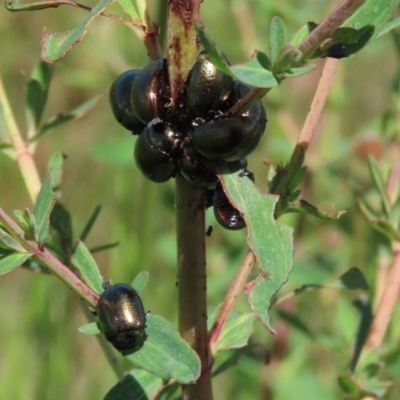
129, 9
271, 242
42, 210
254, 73
393, 24
289, 58
297, 71
28, 223
137, 385
165, 354
103, 247
8, 263
60, 119
306, 208
294, 321
379, 184
54, 167
236, 331
9, 243
56, 45
37, 89
89, 225
140, 281
16, 5
83, 260
215, 56
89, 329
277, 38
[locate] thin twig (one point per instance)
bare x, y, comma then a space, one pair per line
386, 305
333, 21
230, 298
24, 157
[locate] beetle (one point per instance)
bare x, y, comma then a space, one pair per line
120, 101
150, 92
122, 318
225, 213
156, 152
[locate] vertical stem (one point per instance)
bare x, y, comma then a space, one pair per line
192, 282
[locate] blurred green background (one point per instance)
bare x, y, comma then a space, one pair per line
42, 356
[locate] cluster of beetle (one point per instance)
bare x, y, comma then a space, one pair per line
197, 139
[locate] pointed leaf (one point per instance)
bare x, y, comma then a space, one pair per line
42, 210
271, 242
103, 247
379, 184
393, 24
236, 331
89, 329
83, 260
37, 89
302, 33
137, 385
28, 223
15, 260
60, 221
140, 281
89, 225
277, 38
297, 71
56, 45
9, 243
60, 119
129, 8
307, 208
16, 5
54, 166
165, 354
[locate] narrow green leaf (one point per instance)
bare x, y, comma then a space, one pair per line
89, 329
271, 242
289, 58
302, 33
297, 71
89, 225
393, 24
16, 5
307, 208
137, 385
9, 243
37, 89
60, 221
129, 9
15, 260
60, 119
83, 260
28, 223
352, 279
54, 167
379, 184
215, 56
386, 228
103, 247
56, 45
253, 73
140, 281
42, 210
294, 321
165, 354
277, 38
236, 331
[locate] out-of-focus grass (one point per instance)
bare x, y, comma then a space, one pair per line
42, 356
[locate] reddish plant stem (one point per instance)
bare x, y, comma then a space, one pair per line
41, 254
386, 305
230, 298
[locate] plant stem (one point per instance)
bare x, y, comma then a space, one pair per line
41, 254
333, 21
231, 296
386, 305
24, 157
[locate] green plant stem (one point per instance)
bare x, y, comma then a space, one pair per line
41, 254
230, 298
192, 281
333, 21
24, 157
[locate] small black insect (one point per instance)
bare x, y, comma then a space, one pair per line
122, 318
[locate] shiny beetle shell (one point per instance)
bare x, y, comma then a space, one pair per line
122, 318
120, 101
229, 139
226, 215
154, 155
207, 87
150, 92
